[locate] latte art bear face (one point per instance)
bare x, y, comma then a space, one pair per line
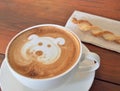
42, 49
43, 52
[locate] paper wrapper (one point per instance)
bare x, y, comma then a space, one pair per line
104, 23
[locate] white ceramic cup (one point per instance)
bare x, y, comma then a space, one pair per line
56, 81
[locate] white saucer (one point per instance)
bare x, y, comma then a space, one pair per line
81, 81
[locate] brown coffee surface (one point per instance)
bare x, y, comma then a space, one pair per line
30, 62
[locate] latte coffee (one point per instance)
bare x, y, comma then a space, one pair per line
43, 52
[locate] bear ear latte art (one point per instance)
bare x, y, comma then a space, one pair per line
43, 52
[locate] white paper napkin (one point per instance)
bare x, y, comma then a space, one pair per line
104, 23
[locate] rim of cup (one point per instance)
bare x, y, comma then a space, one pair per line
35, 26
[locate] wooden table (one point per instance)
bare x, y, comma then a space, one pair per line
16, 15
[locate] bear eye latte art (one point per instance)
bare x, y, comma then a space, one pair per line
43, 52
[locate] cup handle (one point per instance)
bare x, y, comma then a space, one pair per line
90, 57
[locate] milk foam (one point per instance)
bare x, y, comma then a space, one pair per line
42, 49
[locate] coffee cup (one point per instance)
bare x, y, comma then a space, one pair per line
46, 56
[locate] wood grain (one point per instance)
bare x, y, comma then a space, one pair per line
2, 56
104, 86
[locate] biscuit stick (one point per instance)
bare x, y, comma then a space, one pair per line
85, 25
